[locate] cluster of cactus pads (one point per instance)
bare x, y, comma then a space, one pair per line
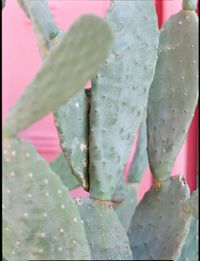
142, 79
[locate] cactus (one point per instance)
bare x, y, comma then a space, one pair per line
62, 169
3, 2
125, 201
160, 225
170, 112
120, 92
67, 75
176, 101
191, 204
74, 141
43, 23
48, 221
73, 113
106, 236
190, 248
140, 161
96, 128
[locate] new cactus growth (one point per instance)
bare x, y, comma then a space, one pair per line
96, 128
68, 75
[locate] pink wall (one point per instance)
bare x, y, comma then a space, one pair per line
21, 61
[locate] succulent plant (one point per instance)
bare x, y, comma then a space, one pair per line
172, 101
96, 128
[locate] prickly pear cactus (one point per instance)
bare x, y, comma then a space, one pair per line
96, 129
173, 95
120, 92
74, 140
106, 236
190, 248
3, 2
42, 21
125, 196
40, 219
140, 161
125, 201
68, 75
170, 111
62, 169
189, 5
191, 205
160, 225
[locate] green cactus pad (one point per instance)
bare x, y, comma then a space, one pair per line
125, 201
120, 92
160, 225
106, 236
42, 21
74, 113
3, 2
71, 121
40, 219
190, 249
192, 205
64, 73
140, 160
62, 169
174, 92
189, 5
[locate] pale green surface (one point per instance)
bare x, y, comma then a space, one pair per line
106, 236
190, 248
62, 169
42, 22
192, 204
63, 74
71, 121
140, 160
173, 95
126, 194
190, 4
3, 2
160, 226
120, 92
40, 219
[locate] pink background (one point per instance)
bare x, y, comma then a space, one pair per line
21, 61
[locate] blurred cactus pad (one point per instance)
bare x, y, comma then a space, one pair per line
143, 81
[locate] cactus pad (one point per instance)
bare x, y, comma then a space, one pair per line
62, 169
190, 249
64, 73
74, 140
42, 21
120, 92
192, 205
71, 121
140, 160
173, 95
40, 219
3, 2
125, 201
160, 225
189, 5
106, 236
